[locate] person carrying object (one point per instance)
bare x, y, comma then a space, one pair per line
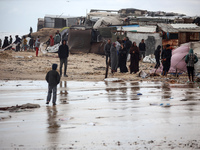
53, 79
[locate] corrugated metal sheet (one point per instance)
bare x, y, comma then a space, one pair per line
146, 29
167, 28
184, 26
175, 28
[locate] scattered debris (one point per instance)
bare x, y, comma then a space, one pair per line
19, 107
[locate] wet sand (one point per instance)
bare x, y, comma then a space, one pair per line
101, 115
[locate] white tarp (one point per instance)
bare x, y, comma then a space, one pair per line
104, 21
50, 49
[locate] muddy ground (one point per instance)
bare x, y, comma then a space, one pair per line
101, 115
122, 112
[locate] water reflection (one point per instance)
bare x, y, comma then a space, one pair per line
134, 90
63, 91
166, 90
116, 91
52, 119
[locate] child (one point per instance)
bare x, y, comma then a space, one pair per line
53, 78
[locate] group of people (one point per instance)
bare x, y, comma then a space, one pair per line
118, 51
54, 40
166, 54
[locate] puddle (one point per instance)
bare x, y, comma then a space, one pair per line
121, 114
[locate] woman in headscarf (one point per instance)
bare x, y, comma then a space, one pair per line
190, 60
157, 56
5, 43
134, 65
114, 58
122, 59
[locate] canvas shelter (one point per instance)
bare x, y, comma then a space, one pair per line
105, 21
79, 41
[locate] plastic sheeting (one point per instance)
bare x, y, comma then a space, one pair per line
105, 21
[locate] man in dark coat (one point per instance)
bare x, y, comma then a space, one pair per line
53, 78
107, 50
18, 42
142, 48
166, 59
157, 56
127, 45
5, 43
63, 53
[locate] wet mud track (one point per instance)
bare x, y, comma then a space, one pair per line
101, 115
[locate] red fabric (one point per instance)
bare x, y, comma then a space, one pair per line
36, 51
51, 41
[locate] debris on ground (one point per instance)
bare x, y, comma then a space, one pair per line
19, 107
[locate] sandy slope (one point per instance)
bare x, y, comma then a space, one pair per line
86, 67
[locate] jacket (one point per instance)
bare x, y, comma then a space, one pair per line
191, 59
53, 78
107, 49
63, 51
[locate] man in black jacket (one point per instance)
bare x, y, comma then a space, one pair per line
53, 78
142, 48
63, 53
107, 50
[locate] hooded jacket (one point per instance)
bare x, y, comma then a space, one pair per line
191, 59
63, 51
53, 77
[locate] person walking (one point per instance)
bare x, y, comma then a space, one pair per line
53, 79
63, 54
107, 50
157, 56
142, 48
134, 59
37, 45
190, 60
166, 59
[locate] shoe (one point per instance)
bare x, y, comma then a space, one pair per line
54, 104
47, 102
65, 75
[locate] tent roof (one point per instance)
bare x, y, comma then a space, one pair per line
137, 28
175, 28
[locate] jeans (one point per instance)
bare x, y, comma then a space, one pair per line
63, 61
50, 89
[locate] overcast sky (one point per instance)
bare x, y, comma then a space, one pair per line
20, 15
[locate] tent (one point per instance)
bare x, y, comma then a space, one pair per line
105, 21
79, 41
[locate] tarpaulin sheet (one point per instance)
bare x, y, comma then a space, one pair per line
98, 48
79, 41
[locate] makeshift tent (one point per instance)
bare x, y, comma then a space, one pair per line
98, 48
105, 21
79, 41
178, 64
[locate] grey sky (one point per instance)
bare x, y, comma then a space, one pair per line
20, 15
